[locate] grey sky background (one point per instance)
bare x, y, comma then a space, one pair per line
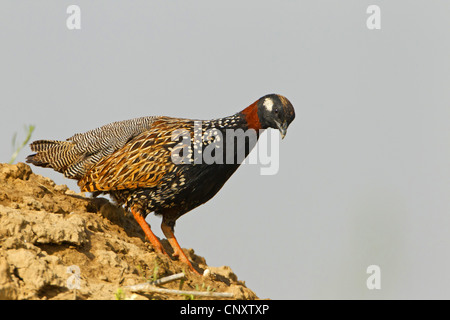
364, 169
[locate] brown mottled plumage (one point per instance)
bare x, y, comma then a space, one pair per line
141, 163
132, 161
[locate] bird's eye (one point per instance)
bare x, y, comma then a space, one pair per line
275, 110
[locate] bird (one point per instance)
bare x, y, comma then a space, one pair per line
165, 165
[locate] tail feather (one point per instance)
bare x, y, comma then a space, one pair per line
58, 155
76, 155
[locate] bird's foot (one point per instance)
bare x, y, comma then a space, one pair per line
159, 248
181, 256
177, 251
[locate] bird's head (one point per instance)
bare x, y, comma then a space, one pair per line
275, 111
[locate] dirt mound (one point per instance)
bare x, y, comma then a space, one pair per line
53, 241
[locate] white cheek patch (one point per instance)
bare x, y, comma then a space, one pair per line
268, 104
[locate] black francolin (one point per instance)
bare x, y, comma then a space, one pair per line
155, 164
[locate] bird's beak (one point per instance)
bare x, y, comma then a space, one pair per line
282, 128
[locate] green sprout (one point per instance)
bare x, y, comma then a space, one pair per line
119, 295
29, 131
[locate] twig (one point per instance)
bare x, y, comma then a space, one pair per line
148, 287
165, 279
152, 287
144, 286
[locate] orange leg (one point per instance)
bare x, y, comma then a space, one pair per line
177, 251
148, 232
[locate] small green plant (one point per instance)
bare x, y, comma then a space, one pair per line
208, 288
189, 297
29, 131
119, 295
155, 272
143, 274
197, 288
180, 287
